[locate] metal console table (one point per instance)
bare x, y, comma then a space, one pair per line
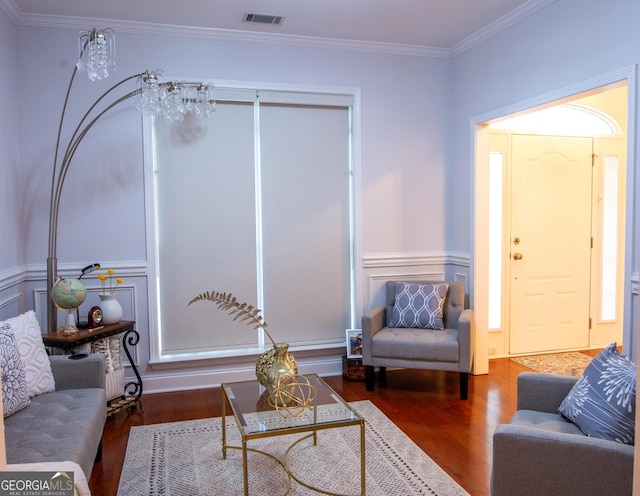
132, 390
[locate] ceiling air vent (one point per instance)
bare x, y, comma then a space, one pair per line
263, 18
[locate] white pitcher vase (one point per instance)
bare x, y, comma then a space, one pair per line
111, 308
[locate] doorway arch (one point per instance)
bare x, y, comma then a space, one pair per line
566, 119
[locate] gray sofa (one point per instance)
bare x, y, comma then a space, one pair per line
539, 452
451, 349
65, 424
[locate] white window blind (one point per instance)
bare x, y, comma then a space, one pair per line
305, 222
255, 201
206, 227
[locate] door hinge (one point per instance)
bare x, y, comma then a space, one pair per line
593, 159
591, 241
589, 322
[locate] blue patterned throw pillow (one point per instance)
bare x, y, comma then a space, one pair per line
419, 305
15, 395
602, 403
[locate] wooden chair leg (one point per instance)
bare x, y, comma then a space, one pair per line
369, 377
464, 385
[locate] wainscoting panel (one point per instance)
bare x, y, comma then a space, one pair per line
632, 328
12, 297
28, 291
376, 283
11, 305
380, 268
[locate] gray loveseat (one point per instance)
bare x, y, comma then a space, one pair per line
539, 452
65, 424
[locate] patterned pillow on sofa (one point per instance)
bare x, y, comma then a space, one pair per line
35, 360
15, 395
419, 305
602, 403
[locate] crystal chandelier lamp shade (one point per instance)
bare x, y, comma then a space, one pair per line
172, 100
97, 53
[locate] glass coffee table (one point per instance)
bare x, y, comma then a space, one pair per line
257, 417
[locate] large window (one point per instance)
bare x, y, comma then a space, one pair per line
254, 200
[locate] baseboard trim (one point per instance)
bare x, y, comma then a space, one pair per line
327, 366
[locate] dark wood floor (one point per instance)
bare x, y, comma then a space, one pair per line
426, 405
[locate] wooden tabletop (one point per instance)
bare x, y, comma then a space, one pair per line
86, 335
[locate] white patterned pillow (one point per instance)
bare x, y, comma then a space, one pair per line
15, 395
419, 305
602, 403
37, 367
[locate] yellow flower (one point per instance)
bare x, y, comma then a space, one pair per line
112, 288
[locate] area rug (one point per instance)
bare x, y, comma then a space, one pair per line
185, 459
569, 363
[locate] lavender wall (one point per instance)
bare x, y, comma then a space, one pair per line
11, 253
403, 136
567, 42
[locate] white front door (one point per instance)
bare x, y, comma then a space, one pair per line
550, 243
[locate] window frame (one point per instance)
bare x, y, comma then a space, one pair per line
317, 95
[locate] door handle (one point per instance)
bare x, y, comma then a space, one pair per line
517, 256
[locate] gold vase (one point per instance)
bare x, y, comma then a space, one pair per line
273, 364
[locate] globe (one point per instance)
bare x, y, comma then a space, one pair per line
68, 294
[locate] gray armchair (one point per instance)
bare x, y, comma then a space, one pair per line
450, 349
541, 453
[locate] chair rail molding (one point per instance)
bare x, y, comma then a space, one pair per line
377, 260
11, 277
132, 268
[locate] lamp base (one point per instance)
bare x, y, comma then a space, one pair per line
69, 328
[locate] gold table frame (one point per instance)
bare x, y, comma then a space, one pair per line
242, 402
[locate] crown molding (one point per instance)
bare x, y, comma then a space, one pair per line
145, 28
153, 29
505, 22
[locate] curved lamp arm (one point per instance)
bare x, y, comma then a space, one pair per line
59, 175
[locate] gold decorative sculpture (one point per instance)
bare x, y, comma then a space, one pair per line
293, 395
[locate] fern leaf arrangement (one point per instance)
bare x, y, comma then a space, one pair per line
242, 312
